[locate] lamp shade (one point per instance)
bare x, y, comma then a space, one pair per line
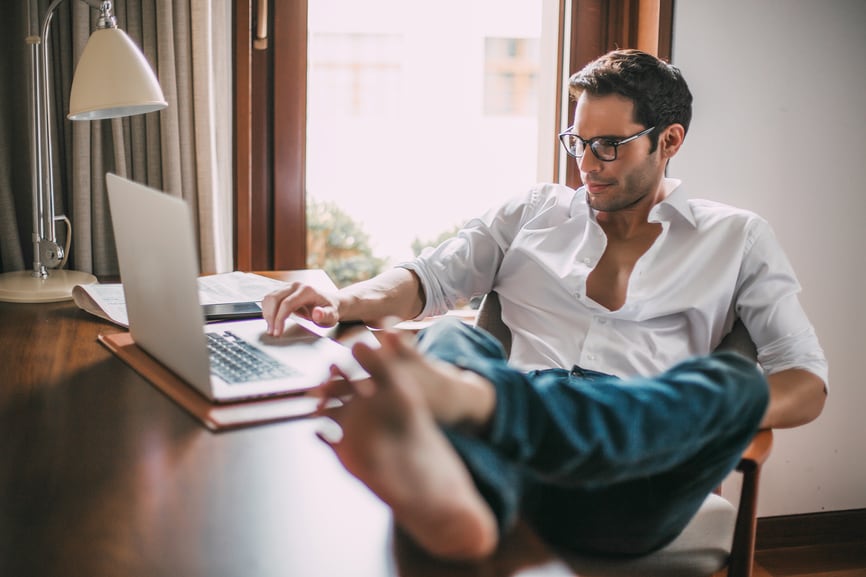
113, 79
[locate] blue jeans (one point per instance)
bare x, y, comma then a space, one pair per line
596, 463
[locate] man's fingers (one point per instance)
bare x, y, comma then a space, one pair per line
299, 299
278, 305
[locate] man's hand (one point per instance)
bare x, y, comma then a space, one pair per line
304, 300
393, 293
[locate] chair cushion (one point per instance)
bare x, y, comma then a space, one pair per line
700, 550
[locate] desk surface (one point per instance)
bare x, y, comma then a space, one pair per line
100, 474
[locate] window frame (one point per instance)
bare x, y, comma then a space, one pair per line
270, 109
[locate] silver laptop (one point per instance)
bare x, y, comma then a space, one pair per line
228, 361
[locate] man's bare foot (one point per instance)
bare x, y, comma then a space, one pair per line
455, 396
392, 443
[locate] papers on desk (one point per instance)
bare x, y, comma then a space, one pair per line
468, 316
107, 301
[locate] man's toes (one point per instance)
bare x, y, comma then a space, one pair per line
373, 360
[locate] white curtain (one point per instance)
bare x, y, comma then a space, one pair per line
184, 150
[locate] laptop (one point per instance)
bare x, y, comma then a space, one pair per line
158, 262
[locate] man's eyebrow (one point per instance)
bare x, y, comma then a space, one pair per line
603, 137
607, 136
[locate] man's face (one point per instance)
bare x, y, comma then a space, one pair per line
636, 174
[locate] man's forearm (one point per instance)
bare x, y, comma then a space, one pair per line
796, 398
394, 293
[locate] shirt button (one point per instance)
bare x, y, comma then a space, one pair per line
590, 357
601, 321
587, 261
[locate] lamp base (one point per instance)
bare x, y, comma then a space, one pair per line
22, 287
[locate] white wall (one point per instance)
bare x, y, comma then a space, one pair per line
780, 128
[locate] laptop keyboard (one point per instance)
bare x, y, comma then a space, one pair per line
236, 361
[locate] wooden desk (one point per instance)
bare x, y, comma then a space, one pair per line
102, 475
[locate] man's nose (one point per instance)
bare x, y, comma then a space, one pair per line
588, 162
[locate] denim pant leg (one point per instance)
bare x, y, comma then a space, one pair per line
607, 465
499, 480
650, 502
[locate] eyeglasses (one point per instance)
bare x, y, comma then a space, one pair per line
603, 147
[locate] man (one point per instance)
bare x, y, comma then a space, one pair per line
612, 421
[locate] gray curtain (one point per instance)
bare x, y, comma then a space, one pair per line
184, 150
15, 219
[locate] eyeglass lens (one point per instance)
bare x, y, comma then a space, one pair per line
602, 149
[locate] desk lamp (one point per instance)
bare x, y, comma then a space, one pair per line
112, 79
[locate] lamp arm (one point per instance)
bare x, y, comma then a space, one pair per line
36, 164
47, 253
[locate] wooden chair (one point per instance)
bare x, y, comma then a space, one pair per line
720, 536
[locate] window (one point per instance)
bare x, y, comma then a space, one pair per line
511, 76
395, 164
353, 75
417, 121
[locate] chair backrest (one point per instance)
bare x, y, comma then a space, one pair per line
490, 319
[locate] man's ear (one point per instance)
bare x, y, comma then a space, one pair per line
671, 139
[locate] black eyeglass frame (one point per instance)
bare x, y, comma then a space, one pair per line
592, 142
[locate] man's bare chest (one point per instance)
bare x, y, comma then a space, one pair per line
608, 282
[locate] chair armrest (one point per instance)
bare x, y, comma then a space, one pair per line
743, 548
757, 452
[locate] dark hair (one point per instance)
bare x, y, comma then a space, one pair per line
660, 94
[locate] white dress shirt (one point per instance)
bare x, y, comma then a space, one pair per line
711, 264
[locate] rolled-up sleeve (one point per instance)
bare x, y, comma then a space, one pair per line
465, 266
769, 305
